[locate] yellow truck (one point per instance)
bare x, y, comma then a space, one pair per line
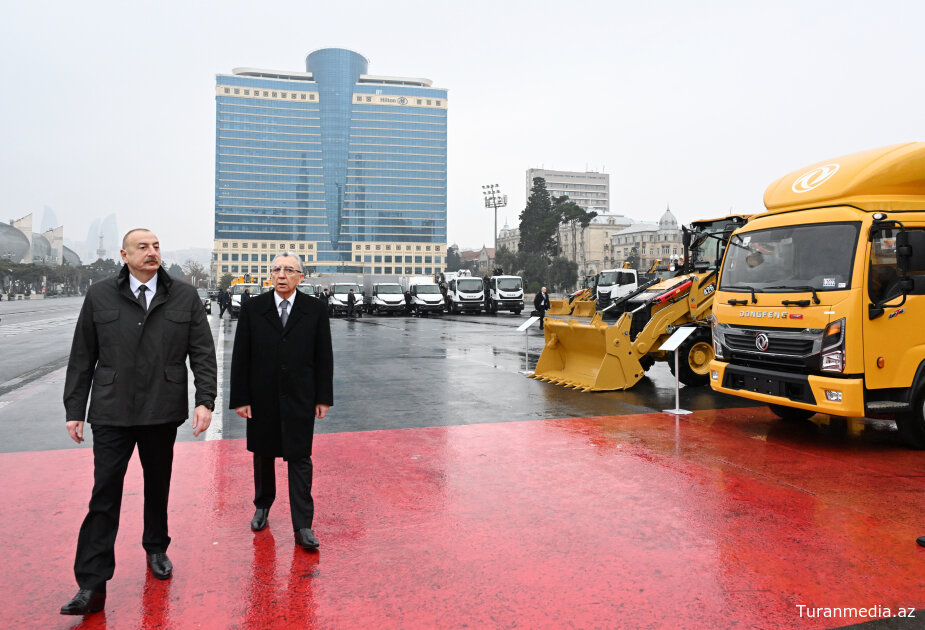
821, 299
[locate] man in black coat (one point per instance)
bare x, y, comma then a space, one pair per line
351, 303
224, 302
541, 304
134, 334
282, 373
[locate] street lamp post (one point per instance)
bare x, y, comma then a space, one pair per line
494, 199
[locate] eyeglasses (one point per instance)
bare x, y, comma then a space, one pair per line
285, 270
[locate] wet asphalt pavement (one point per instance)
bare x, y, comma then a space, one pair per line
391, 372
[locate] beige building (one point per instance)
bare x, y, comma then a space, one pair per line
590, 247
652, 241
590, 190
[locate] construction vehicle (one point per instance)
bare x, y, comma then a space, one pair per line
821, 298
581, 303
600, 356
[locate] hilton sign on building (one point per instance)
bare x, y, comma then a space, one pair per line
345, 168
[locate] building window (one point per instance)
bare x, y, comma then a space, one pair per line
388, 270
407, 269
224, 244
367, 258
303, 97
377, 259
224, 268
301, 245
418, 270
234, 257
428, 260
438, 259
243, 245
234, 269
237, 91
356, 259
377, 269
388, 259
224, 256
227, 90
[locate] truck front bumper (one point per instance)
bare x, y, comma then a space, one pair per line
802, 391
510, 305
469, 306
429, 308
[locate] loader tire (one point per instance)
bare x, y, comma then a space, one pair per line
647, 362
694, 359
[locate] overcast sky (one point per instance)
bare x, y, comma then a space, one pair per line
109, 106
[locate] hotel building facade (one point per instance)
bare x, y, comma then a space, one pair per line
347, 169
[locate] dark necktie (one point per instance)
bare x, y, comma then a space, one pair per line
141, 297
284, 314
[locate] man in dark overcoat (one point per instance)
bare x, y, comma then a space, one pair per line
541, 304
282, 372
133, 336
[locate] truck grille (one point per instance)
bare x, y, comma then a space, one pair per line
800, 347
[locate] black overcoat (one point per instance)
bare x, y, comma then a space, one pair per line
131, 364
282, 373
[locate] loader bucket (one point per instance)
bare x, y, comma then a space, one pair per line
559, 307
585, 308
591, 356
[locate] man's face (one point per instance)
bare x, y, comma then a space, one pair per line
142, 253
286, 283
543, 289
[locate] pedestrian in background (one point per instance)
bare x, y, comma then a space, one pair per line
541, 304
282, 372
224, 302
245, 297
351, 303
134, 334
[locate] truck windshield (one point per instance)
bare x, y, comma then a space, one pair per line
509, 284
238, 289
345, 288
610, 278
469, 285
388, 289
420, 289
793, 258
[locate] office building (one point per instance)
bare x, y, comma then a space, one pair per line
589, 190
346, 168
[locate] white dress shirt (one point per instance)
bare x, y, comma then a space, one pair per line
134, 283
279, 300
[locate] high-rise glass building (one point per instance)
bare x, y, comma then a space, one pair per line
346, 168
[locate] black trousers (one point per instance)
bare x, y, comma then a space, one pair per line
301, 504
542, 313
112, 449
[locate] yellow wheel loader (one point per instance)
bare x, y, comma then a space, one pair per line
614, 350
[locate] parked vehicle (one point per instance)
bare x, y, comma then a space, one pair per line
383, 297
465, 294
611, 284
206, 300
237, 290
337, 304
504, 293
425, 296
821, 298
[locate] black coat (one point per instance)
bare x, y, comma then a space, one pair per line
282, 373
134, 361
541, 301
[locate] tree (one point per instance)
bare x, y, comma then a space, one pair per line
538, 222
453, 261
195, 271
633, 258
225, 281
508, 260
176, 271
562, 274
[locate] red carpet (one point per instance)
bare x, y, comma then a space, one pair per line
618, 522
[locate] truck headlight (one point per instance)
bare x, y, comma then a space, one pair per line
717, 338
833, 347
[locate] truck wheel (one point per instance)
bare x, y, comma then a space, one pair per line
694, 360
791, 413
911, 424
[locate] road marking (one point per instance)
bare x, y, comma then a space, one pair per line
214, 432
37, 325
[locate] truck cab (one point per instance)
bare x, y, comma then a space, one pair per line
339, 292
613, 284
385, 297
425, 296
464, 294
237, 290
504, 293
820, 298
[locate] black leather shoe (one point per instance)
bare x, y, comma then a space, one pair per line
921, 541
260, 519
305, 538
85, 602
160, 565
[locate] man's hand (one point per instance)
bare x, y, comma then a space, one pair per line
244, 412
75, 428
321, 411
202, 418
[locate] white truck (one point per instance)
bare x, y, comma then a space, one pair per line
237, 290
504, 293
383, 296
425, 295
339, 292
464, 294
613, 284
